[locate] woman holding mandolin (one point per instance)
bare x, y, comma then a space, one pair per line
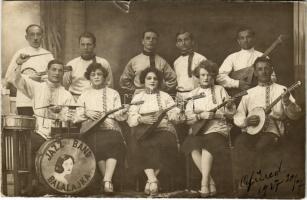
157, 150
105, 139
211, 139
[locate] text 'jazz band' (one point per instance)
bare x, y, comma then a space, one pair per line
209, 101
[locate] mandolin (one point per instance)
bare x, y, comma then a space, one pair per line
143, 131
264, 112
247, 74
199, 125
90, 124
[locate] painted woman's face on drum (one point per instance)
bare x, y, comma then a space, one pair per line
67, 166
97, 78
205, 78
151, 81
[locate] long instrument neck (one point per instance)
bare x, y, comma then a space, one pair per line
271, 48
292, 87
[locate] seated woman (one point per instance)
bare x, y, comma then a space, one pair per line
159, 151
212, 139
106, 139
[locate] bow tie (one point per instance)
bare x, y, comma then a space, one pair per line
187, 53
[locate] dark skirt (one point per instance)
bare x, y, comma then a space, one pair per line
157, 152
105, 144
212, 142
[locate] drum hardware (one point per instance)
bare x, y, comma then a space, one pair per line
143, 131
16, 153
263, 113
199, 125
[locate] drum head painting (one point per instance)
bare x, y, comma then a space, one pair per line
65, 165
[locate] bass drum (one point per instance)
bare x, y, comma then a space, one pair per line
65, 165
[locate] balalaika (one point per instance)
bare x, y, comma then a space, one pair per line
89, 124
143, 131
263, 113
199, 125
246, 74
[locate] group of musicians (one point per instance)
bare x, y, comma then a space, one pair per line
148, 76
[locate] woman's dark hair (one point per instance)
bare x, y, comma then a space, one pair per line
58, 165
208, 65
54, 62
153, 70
92, 68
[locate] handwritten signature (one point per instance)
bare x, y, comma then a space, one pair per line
272, 180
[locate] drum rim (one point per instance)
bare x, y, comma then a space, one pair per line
39, 157
18, 116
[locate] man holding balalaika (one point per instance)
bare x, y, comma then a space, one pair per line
260, 115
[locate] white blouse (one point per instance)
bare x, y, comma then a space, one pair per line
210, 101
102, 100
152, 103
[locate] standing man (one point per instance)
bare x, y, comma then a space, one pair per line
185, 64
252, 151
240, 60
34, 35
129, 80
74, 80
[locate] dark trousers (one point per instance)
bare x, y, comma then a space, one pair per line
253, 152
25, 111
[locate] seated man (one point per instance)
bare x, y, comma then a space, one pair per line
252, 151
44, 95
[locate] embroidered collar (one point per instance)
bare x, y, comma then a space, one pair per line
146, 53
151, 91
265, 84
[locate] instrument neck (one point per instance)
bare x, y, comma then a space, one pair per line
292, 87
271, 48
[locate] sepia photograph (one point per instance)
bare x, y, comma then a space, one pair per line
153, 99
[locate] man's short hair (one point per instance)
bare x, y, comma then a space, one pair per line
32, 25
93, 67
245, 28
151, 31
183, 32
55, 61
88, 35
209, 66
263, 59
